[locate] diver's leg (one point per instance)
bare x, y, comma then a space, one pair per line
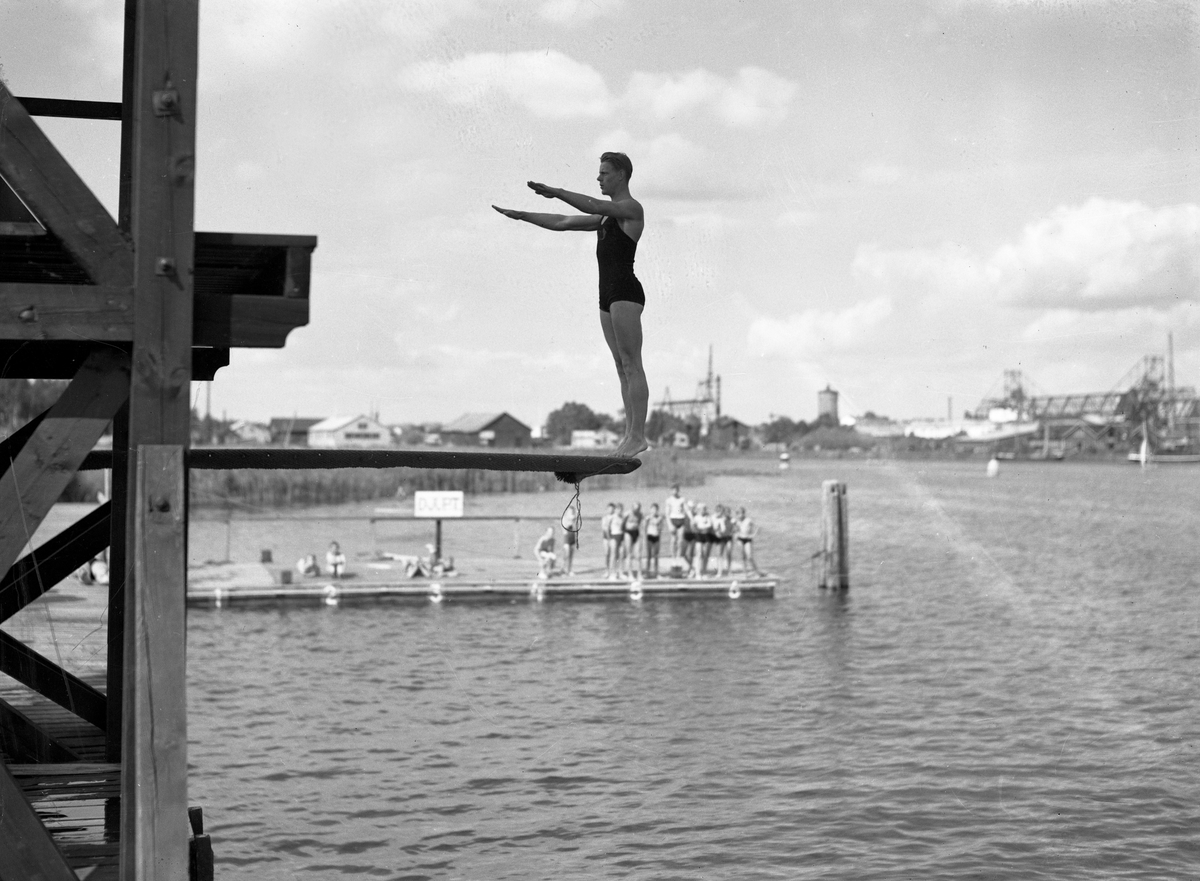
626, 323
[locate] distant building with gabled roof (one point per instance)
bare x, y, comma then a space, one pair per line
291, 431
349, 431
487, 430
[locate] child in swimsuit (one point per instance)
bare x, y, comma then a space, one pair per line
654, 526
616, 537
746, 530
633, 530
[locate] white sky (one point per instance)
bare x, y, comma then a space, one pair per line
899, 198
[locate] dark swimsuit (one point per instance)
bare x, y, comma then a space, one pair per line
614, 253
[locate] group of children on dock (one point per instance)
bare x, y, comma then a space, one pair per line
633, 540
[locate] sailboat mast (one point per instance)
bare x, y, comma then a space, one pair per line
1171, 380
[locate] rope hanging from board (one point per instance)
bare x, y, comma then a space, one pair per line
576, 504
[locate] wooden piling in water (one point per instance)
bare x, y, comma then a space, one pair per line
835, 536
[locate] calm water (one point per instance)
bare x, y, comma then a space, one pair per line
1007, 691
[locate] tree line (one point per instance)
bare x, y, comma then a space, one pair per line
660, 424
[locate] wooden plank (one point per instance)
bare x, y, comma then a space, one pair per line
26, 849
61, 359
154, 824
247, 321
163, 107
233, 458
32, 311
51, 681
99, 771
58, 197
41, 471
19, 228
54, 560
114, 672
68, 108
24, 741
11, 445
298, 273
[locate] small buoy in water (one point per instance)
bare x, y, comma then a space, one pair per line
635, 591
218, 595
435, 593
993, 467
331, 595
734, 591
537, 592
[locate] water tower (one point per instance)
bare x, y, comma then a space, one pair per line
827, 404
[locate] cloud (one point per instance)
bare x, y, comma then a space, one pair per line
880, 173
754, 96
807, 334
1103, 255
548, 84
671, 166
572, 12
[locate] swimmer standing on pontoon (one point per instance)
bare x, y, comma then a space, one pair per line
618, 223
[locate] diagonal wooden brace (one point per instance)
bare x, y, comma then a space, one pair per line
51, 562
26, 848
59, 198
51, 681
24, 741
49, 459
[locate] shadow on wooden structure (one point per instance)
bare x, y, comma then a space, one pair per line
130, 310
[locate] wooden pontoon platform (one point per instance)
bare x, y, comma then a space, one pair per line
335, 593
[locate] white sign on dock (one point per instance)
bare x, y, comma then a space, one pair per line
440, 503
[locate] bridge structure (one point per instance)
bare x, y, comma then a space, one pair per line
1146, 399
131, 310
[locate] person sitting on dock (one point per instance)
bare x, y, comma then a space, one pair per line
654, 528
544, 552
307, 566
746, 530
335, 560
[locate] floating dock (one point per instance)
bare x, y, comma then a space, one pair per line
334, 593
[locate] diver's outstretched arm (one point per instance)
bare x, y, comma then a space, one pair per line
556, 222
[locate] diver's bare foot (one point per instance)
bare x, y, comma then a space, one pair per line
630, 447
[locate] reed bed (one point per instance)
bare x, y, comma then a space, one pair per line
262, 488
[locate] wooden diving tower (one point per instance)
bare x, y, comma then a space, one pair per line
131, 310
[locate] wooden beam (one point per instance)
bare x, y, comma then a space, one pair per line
161, 102
114, 672
51, 681
24, 741
58, 197
67, 108
56, 559
154, 824
11, 445
247, 321
61, 359
48, 460
162, 212
65, 312
483, 459
26, 849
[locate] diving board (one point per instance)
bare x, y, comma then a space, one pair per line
567, 466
